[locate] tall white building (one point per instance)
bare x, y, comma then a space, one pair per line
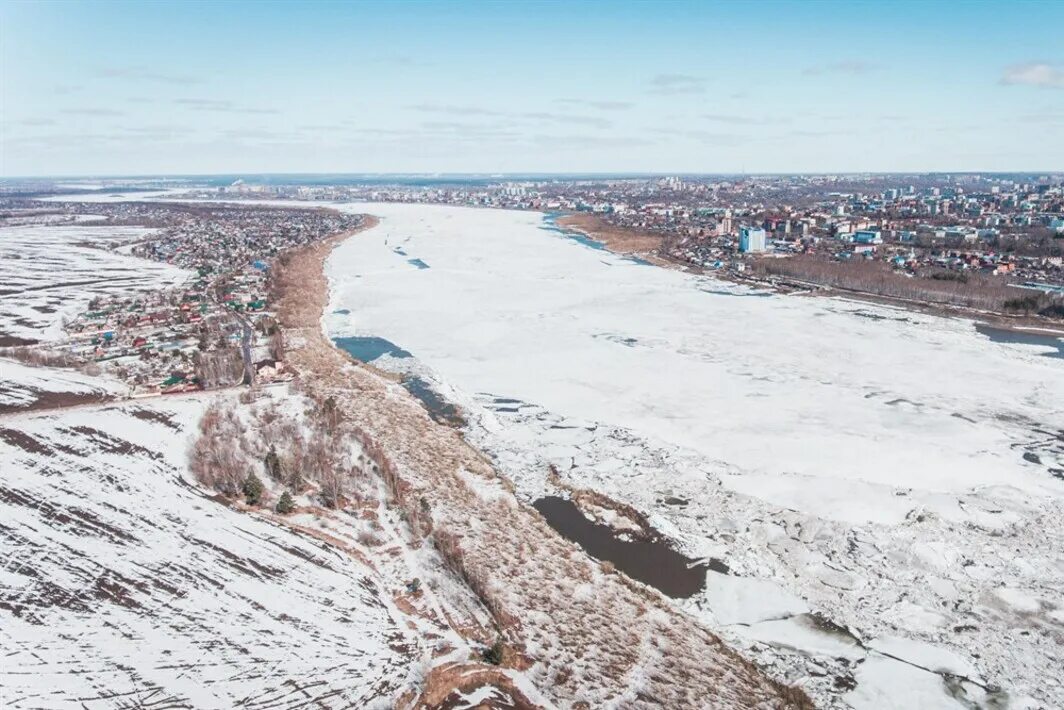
751, 239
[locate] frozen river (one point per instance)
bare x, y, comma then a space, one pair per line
857, 423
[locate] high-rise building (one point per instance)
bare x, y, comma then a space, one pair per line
751, 239
726, 223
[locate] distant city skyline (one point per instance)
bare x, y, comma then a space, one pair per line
428, 87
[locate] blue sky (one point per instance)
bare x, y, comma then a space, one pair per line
201, 87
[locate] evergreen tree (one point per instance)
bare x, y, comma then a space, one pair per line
493, 655
253, 489
285, 504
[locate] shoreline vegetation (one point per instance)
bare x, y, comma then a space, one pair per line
580, 629
770, 274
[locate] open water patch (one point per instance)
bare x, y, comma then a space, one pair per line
550, 224
367, 348
652, 562
438, 408
418, 263
1015, 337
585, 240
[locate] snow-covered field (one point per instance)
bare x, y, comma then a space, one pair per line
896, 473
123, 584
50, 272
24, 387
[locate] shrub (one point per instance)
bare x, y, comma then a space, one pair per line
493, 655
1053, 311
1024, 304
253, 489
285, 504
950, 276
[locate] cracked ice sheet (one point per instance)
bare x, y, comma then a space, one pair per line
776, 386
879, 461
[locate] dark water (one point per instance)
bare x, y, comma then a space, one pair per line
550, 224
418, 263
369, 348
1003, 335
652, 562
439, 408
585, 240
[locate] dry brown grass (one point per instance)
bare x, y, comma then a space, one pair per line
618, 239
40, 356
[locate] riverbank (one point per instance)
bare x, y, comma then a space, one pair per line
571, 629
731, 420
623, 240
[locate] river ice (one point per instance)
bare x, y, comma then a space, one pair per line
899, 473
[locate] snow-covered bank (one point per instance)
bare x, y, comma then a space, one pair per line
894, 470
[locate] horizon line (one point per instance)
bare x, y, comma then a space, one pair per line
516, 174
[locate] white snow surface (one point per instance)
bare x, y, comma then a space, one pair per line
23, 386
122, 584
860, 461
48, 272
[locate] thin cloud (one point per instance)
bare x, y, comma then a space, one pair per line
329, 127
454, 110
1041, 118
258, 134
36, 122
737, 120
801, 133
441, 132
677, 84
142, 74
1040, 74
222, 106
92, 112
710, 137
159, 131
577, 141
457, 129
600, 105
722, 118
566, 118
473, 111
851, 66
